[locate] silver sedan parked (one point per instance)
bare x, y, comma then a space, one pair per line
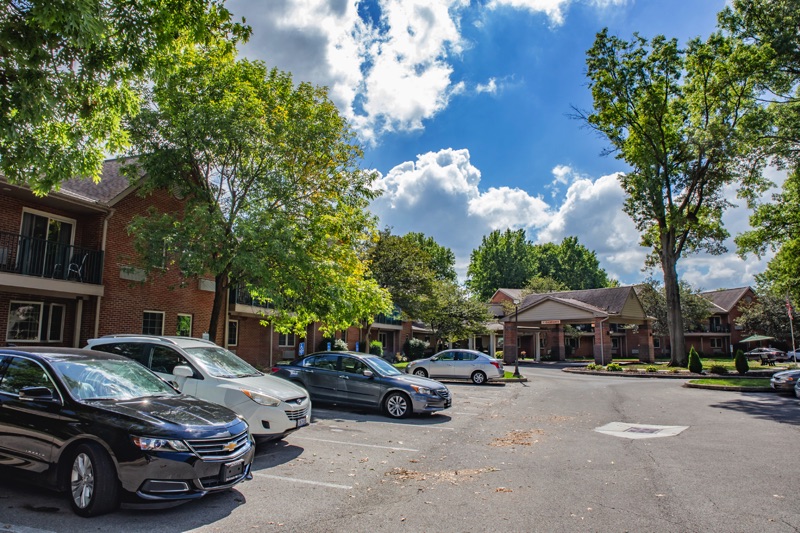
785, 381
458, 364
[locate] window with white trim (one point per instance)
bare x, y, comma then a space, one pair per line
233, 332
184, 327
35, 322
656, 342
286, 339
716, 342
153, 323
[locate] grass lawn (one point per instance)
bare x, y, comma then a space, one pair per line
734, 382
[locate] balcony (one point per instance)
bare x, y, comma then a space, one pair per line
49, 259
241, 296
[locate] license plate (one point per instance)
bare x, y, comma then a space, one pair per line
232, 470
302, 422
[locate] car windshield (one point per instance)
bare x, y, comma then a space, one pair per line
383, 367
95, 379
221, 363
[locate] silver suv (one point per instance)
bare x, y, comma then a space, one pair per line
271, 406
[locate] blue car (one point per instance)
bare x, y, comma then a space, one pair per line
364, 380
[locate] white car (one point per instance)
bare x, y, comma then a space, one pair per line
271, 406
458, 364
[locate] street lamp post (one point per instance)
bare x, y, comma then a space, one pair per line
516, 331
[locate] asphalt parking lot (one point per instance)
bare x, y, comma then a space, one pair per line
538, 456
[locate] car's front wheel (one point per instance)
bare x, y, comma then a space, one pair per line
478, 377
93, 484
421, 372
397, 405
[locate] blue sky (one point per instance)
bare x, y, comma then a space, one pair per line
463, 109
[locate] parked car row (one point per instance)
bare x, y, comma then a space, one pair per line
164, 420
771, 354
786, 381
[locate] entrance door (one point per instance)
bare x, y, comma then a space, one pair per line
45, 245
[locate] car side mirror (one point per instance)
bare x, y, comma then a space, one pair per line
38, 394
368, 373
182, 371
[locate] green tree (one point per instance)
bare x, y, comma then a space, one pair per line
570, 263
765, 315
274, 197
771, 27
442, 260
684, 120
695, 309
452, 314
542, 285
70, 72
503, 260
404, 269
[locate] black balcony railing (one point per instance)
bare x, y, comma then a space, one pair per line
240, 295
49, 259
388, 320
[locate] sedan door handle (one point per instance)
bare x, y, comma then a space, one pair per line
343, 377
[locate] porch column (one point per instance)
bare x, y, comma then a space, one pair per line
559, 351
646, 351
509, 342
602, 342
537, 348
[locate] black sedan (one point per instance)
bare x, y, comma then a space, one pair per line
107, 430
363, 380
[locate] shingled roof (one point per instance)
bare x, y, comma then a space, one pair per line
112, 183
725, 299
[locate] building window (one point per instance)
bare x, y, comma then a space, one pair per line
656, 342
35, 322
286, 339
184, 328
153, 323
716, 343
233, 332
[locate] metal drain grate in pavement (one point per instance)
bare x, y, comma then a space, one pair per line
639, 431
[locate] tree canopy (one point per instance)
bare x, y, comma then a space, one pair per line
695, 309
274, 197
71, 71
685, 121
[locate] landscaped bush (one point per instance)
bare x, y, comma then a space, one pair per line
376, 348
675, 370
415, 348
340, 345
740, 360
593, 366
498, 354
695, 364
614, 367
651, 368
718, 369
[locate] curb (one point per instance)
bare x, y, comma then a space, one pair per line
660, 375
729, 388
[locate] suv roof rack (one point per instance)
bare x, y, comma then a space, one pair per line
166, 338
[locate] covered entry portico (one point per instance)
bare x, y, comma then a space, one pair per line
597, 323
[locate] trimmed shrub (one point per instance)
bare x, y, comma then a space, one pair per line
695, 364
651, 368
593, 366
718, 369
415, 348
340, 345
376, 348
740, 360
614, 367
675, 370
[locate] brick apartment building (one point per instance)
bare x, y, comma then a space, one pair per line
66, 276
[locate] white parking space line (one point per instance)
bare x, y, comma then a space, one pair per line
395, 448
11, 528
306, 481
404, 426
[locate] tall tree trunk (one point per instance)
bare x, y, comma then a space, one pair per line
218, 309
669, 262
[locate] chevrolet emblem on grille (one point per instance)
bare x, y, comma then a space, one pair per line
230, 446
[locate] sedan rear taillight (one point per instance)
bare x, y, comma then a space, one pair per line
496, 364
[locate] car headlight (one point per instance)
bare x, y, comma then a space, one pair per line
261, 399
155, 444
422, 390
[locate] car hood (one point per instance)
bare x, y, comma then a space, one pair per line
786, 374
419, 381
270, 385
173, 415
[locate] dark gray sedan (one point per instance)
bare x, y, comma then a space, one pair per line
364, 380
458, 364
785, 381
